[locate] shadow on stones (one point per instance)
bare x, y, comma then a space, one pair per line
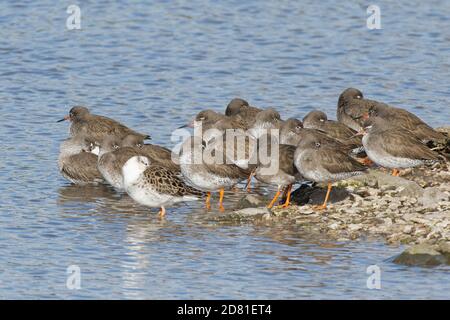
313, 194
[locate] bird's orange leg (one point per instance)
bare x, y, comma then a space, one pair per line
162, 212
324, 205
249, 181
288, 197
208, 200
365, 161
395, 172
274, 199
222, 192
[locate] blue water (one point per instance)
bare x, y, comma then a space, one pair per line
153, 65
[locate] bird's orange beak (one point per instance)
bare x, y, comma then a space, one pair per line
64, 119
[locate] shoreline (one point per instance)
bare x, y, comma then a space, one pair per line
412, 209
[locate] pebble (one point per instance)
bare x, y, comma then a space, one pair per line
399, 213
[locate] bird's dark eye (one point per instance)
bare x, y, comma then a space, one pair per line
139, 145
115, 146
317, 144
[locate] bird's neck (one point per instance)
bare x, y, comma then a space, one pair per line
131, 173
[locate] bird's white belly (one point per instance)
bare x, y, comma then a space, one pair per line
205, 181
113, 178
386, 160
315, 172
147, 196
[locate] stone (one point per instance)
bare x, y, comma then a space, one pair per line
431, 197
247, 214
251, 201
444, 248
403, 187
408, 229
423, 255
334, 226
266, 217
445, 130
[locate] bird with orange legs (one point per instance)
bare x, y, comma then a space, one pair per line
320, 161
394, 147
204, 167
278, 168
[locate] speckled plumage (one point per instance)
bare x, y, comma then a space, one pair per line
155, 185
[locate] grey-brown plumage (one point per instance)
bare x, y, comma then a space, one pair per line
214, 124
320, 161
242, 108
404, 119
112, 158
280, 170
211, 119
318, 120
76, 163
238, 105
218, 163
352, 106
292, 132
96, 127
265, 121
275, 166
393, 147
238, 148
157, 154
206, 167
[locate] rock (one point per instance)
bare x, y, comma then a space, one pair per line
354, 227
334, 226
251, 201
422, 255
408, 229
444, 248
266, 217
431, 197
445, 130
247, 214
387, 182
